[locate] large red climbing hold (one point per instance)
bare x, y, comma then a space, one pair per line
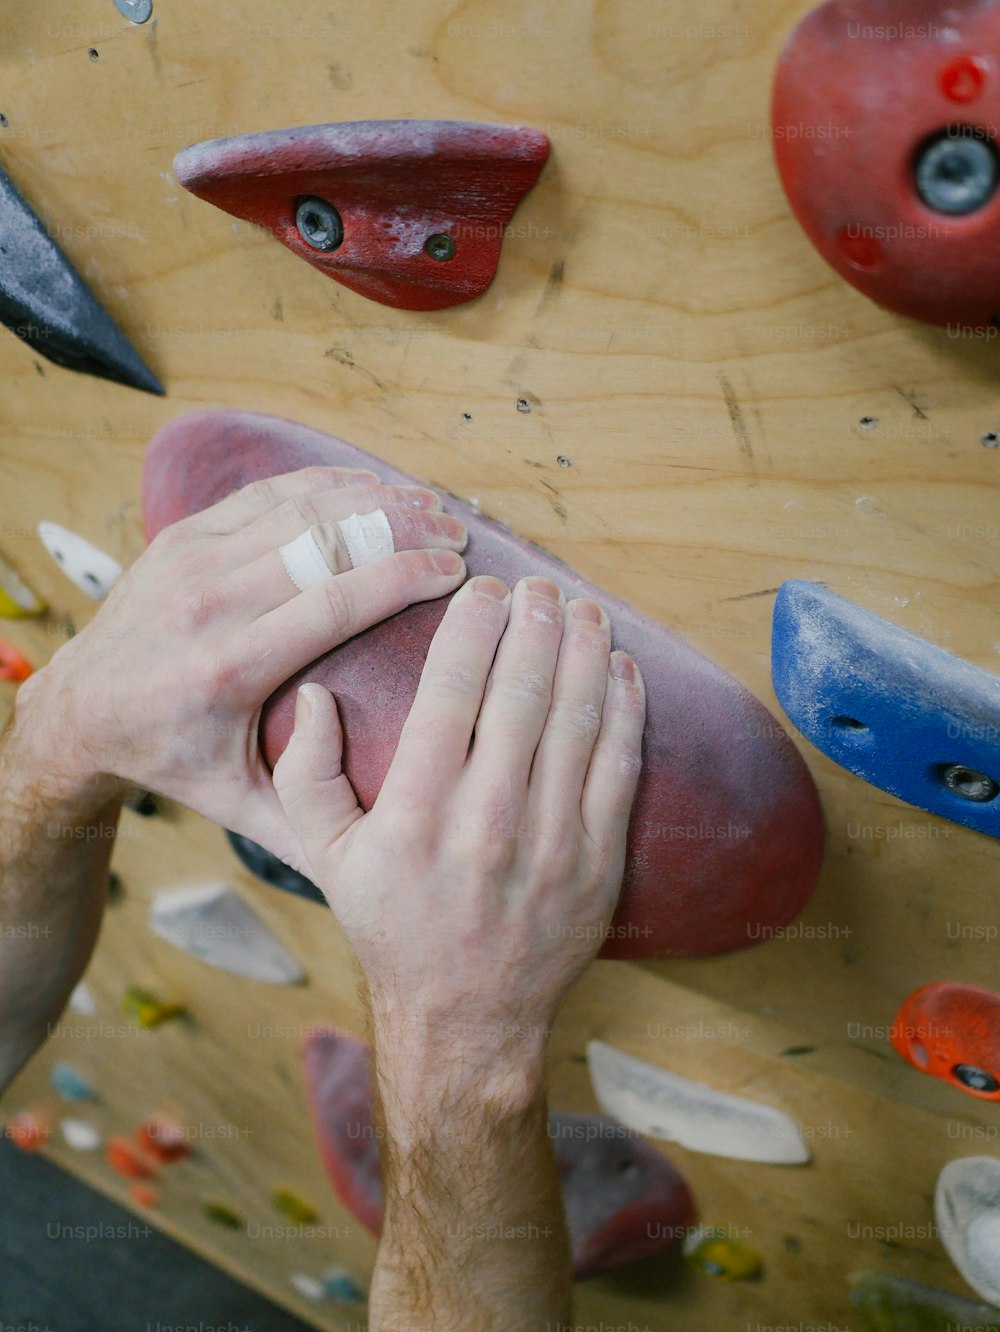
410, 213
885, 121
726, 835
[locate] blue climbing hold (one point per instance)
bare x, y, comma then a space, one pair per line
889, 706
70, 1083
340, 1285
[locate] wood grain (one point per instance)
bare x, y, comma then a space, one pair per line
729, 414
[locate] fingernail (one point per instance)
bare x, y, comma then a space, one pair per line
452, 527
542, 587
589, 611
303, 708
491, 587
447, 562
422, 499
622, 666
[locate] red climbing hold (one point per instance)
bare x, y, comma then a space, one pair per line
952, 1032
410, 213
884, 120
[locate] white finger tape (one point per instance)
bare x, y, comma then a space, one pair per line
304, 562
367, 537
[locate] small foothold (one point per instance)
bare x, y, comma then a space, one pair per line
309, 1287
661, 1104
70, 1083
14, 667
951, 1031
93, 572
28, 1130
82, 1001
268, 867
148, 1010
80, 1135
17, 600
215, 925
122, 1157
224, 1215
716, 1254
882, 1302
294, 1207
340, 1285
136, 11
162, 1139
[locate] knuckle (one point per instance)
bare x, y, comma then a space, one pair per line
339, 605
575, 718
525, 684
261, 492
299, 513
195, 608
456, 679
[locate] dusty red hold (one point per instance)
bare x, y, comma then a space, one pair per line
410, 213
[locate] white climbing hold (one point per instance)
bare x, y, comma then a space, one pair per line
82, 1001
967, 1210
665, 1105
215, 925
91, 569
80, 1135
308, 1286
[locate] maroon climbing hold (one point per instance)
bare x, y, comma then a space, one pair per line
623, 1199
410, 213
726, 835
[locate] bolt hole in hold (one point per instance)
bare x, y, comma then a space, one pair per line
440, 247
956, 171
848, 726
990, 440
968, 783
319, 224
976, 1079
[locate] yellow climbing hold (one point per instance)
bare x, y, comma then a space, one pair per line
16, 597
148, 1010
716, 1254
294, 1207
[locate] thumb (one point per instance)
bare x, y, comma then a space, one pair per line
318, 800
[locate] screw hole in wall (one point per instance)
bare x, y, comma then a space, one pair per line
990, 440
868, 422
94, 54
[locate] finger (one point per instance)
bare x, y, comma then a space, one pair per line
250, 502
317, 799
519, 693
281, 642
435, 741
617, 760
296, 515
574, 722
268, 582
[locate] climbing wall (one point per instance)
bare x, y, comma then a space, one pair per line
667, 388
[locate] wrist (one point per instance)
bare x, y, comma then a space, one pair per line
52, 752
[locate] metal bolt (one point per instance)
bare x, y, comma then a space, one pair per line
977, 1079
440, 247
969, 783
136, 11
319, 224
957, 173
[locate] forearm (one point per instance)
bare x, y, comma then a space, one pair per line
474, 1236
57, 830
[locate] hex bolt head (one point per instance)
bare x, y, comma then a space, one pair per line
440, 247
969, 783
976, 1079
319, 224
957, 173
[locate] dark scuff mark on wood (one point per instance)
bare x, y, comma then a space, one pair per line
553, 285
560, 509
911, 398
748, 596
736, 418
343, 357
278, 310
